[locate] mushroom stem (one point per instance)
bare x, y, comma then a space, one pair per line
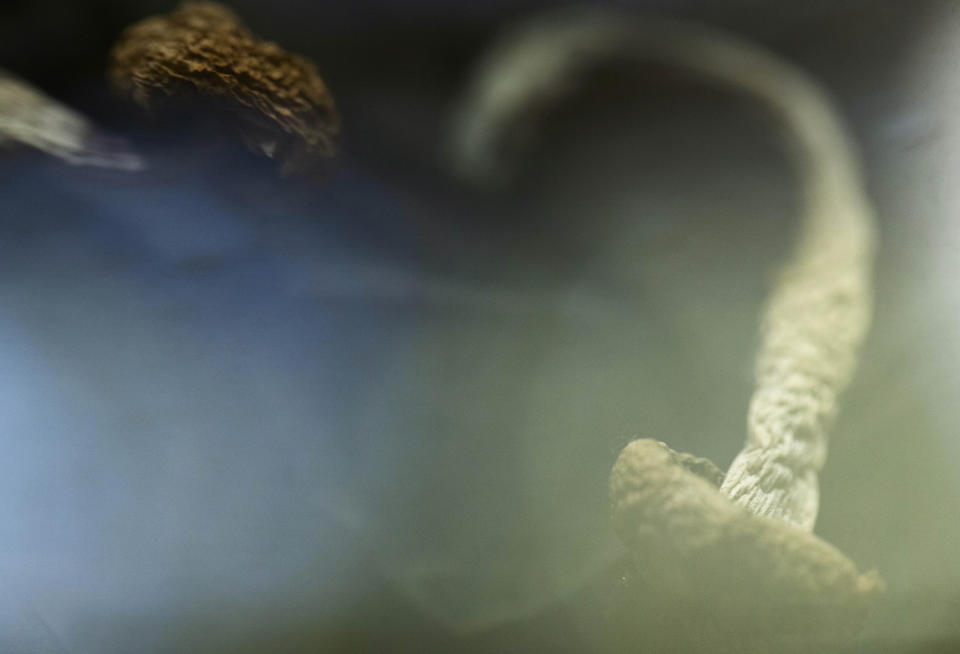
819, 311
744, 554
31, 118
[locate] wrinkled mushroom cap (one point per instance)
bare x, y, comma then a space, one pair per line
707, 575
283, 107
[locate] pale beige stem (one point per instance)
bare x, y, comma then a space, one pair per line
734, 568
818, 312
28, 117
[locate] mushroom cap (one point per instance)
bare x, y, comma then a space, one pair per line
712, 572
283, 107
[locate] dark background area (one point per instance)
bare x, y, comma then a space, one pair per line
246, 413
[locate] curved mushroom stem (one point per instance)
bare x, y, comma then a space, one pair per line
685, 536
819, 312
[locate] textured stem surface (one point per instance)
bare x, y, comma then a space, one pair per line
819, 310
734, 569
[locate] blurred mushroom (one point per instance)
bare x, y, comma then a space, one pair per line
282, 106
724, 564
29, 117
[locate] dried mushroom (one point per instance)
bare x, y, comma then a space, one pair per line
725, 563
203, 49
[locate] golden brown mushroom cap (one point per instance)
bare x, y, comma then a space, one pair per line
202, 48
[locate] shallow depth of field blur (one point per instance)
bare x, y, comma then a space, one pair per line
241, 413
